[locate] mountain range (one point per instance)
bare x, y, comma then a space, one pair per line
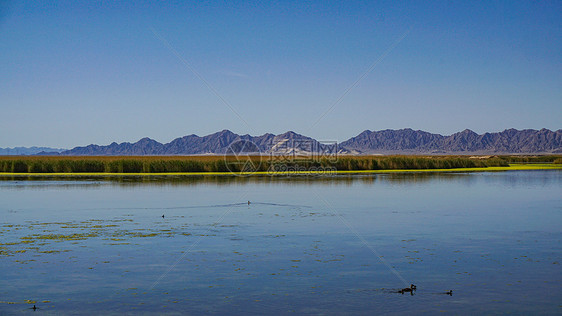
222, 142
510, 141
403, 141
22, 151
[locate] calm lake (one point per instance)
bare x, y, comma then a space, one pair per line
304, 245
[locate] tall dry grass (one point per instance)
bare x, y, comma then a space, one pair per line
164, 164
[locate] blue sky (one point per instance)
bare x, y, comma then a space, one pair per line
75, 73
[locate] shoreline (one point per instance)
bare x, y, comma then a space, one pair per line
512, 167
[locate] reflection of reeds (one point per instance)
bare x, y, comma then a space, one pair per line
345, 179
161, 164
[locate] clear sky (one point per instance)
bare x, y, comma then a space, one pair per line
79, 72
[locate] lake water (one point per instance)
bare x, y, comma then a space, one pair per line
305, 245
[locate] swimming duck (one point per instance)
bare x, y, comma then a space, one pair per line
410, 289
162, 215
248, 202
34, 307
450, 293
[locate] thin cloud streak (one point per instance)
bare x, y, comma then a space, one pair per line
207, 84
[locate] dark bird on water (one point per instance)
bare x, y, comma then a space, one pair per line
450, 293
162, 215
248, 202
410, 289
34, 307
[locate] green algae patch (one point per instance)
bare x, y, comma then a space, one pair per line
145, 235
61, 237
73, 234
49, 251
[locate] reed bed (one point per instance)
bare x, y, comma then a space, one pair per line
170, 164
533, 159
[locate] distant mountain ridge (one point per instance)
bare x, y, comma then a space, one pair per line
510, 141
22, 151
217, 143
403, 141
